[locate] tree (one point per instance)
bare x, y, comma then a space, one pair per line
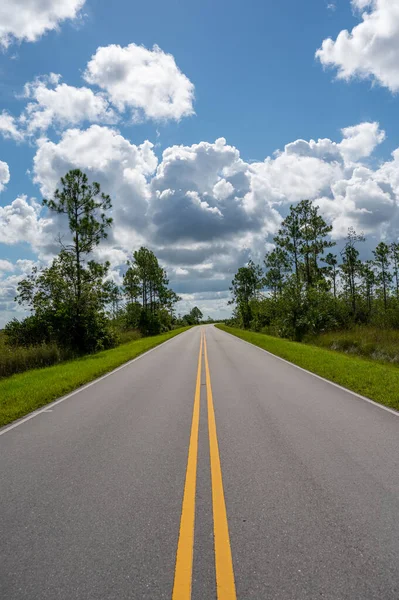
289, 239
115, 297
196, 314
369, 280
193, 317
332, 270
72, 286
277, 264
85, 207
245, 286
382, 262
304, 235
51, 295
170, 300
394, 249
351, 265
152, 278
131, 283
314, 239
150, 302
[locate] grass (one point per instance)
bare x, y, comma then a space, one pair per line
370, 342
25, 392
377, 381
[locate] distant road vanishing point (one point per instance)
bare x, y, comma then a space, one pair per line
205, 469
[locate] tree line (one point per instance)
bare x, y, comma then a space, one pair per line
305, 288
73, 302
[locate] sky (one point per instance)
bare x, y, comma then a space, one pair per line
204, 121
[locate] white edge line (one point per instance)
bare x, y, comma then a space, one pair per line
84, 387
340, 387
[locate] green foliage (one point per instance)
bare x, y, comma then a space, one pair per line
68, 298
309, 293
150, 322
32, 331
131, 315
245, 286
193, 317
277, 264
382, 262
150, 303
75, 307
85, 206
51, 295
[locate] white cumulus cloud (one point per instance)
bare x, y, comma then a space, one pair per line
21, 222
371, 49
28, 20
53, 103
9, 127
202, 208
148, 82
121, 168
5, 265
4, 175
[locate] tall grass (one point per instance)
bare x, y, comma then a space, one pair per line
18, 360
371, 342
129, 336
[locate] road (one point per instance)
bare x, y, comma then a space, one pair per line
205, 469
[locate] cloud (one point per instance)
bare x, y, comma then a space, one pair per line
58, 104
4, 175
10, 276
199, 193
9, 127
202, 197
360, 141
371, 49
106, 156
5, 265
202, 208
148, 82
223, 189
28, 20
21, 222
362, 202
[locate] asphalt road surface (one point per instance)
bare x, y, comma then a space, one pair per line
205, 469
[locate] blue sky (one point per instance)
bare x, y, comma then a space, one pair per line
257, 83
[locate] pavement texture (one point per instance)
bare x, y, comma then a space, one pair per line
91, 489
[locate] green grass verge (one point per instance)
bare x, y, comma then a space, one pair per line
377, 381
25, 392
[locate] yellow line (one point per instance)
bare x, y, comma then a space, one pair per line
225, 585
185, 547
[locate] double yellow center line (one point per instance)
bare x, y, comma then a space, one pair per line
225, 585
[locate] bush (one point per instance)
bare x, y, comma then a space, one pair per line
29, 332
132, 315
96, 333
150, 323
